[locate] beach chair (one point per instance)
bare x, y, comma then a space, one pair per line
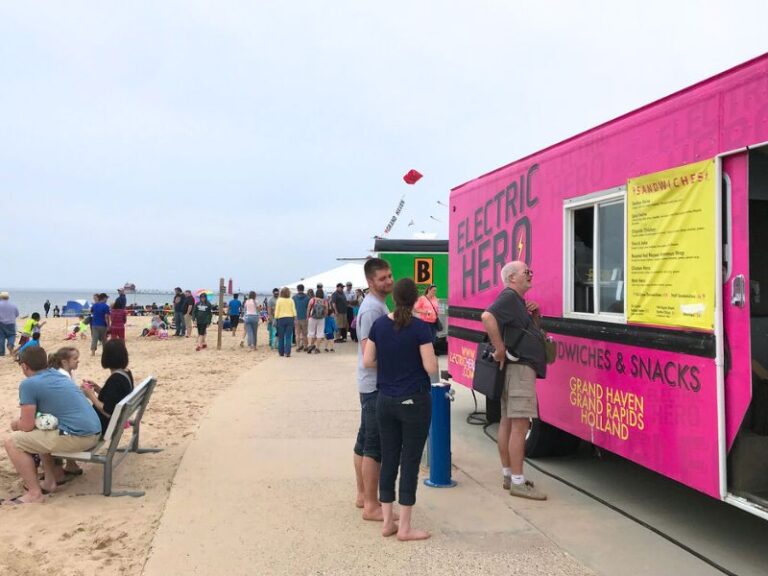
108, 452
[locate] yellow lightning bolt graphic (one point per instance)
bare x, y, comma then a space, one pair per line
520, 245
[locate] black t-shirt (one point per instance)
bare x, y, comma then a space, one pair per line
189, 304
178, 302
521, 336
339, 302
118, 386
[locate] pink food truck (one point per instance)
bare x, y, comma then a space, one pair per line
647, 236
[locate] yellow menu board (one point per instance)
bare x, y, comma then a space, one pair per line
671, 247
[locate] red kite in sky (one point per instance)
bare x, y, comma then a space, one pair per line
412, 177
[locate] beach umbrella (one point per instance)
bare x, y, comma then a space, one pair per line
208, 294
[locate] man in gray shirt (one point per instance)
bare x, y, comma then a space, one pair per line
8, 315
367, 447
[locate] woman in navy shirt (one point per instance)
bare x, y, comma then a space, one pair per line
400, 348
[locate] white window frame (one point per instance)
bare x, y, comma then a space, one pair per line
610, 196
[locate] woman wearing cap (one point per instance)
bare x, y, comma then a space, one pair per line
427, 307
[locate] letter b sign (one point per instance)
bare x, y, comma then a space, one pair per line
422, 270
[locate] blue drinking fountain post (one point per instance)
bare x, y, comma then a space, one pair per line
440, 437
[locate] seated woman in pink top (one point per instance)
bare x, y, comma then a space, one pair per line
427, 307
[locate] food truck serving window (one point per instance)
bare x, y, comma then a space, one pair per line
594, 256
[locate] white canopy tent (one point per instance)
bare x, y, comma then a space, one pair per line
349, 272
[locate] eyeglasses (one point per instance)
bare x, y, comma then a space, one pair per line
528, 272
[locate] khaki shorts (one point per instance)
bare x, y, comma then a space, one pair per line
301, 329
341, 320
50, 441
519, 397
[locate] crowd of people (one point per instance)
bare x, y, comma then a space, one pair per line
395, 369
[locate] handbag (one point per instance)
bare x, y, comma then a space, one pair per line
550, 346
488, 379
438, 324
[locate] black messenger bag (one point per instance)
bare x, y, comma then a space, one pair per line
488, 379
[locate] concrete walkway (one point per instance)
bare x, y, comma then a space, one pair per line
267, 487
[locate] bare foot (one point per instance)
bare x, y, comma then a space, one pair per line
359, 502
413, 535
48, 487
389, 530
375, 515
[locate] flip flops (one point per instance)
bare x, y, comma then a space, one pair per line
16, 501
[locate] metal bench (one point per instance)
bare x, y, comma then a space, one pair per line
131, 410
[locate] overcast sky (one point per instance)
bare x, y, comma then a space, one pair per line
169, 143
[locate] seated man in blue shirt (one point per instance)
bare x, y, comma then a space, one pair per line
47, 391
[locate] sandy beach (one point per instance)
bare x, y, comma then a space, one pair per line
79, 532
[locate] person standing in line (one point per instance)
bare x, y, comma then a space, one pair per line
99, 322
178, 312
47, 307
339, 305
512, 327
8, 315
427, 307
117, 317
189, 309
317, 310
400, 349
203, 318
285, 317
121, 298
235, 307
251, 320
302, 301
271, 324
351, 297
367, 450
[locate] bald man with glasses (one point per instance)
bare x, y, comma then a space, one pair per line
512, 325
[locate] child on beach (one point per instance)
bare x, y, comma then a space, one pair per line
31, 326
35, 341
66, 360
330, 331
118, 316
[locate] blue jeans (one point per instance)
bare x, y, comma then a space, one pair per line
284, 335
271, 325
251, 329
178, 321
7, 334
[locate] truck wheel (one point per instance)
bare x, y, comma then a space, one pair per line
546, 440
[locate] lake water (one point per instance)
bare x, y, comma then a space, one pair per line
29, 301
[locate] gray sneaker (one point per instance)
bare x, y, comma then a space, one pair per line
526, 490
506, 482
